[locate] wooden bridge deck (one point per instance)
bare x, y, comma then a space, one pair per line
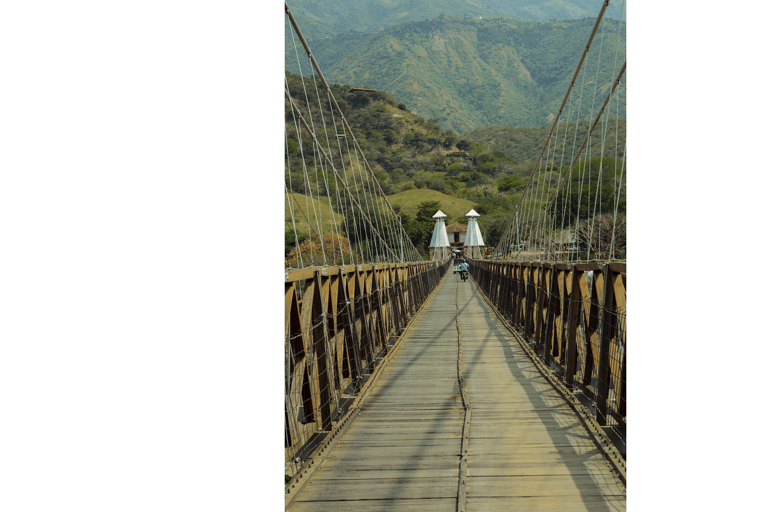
525, 448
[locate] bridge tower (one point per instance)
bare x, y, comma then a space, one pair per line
473, 246
439, 247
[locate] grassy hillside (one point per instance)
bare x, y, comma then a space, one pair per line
308, 211
469, 73
409, 200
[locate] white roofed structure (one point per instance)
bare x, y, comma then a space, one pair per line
474, 247
439, 247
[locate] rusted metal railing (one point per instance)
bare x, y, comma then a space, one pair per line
573, 318
339, 323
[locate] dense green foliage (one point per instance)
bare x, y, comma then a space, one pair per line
526, 143
593, 188
468, 73
405, 151
409, 153
420, 228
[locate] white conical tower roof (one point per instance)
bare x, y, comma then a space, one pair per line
440, 237
474, 239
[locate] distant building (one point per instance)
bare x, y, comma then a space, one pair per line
457, 233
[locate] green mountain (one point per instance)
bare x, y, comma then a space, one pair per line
469, 73
322, 18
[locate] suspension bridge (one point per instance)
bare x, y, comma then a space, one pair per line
407, 388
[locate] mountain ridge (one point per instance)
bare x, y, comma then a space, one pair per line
469, 73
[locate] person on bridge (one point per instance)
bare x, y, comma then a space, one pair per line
464, 268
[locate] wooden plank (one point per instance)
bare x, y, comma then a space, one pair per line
545, 485
342, 472
378, 489
389, 505
573, 503
498, 467
526, 448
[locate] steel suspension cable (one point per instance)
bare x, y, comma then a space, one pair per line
336, 183
325, 181
567, 94
335, 172
308, 185
341, 114
586, 139
311, 122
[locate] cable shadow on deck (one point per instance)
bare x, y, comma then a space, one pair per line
395, 467
539, 393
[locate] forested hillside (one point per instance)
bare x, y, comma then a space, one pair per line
525, 143
409, 153
323, 18
470, 73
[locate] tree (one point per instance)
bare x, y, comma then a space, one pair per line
510, 182
487, 167
290, 239
594, 189
359, 100
420, 228
463, 145
454, 169
450, 139
333, 250
472, 178
292, 146
390, 137
604, 237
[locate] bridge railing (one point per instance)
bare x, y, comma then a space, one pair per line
339, 323
573, 317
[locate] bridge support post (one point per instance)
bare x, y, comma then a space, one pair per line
607, 324
507, 290
542, 303
591, 347
518, 287
361, 320
553, 308
323, 379
351, 341
574, 314
530, 301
